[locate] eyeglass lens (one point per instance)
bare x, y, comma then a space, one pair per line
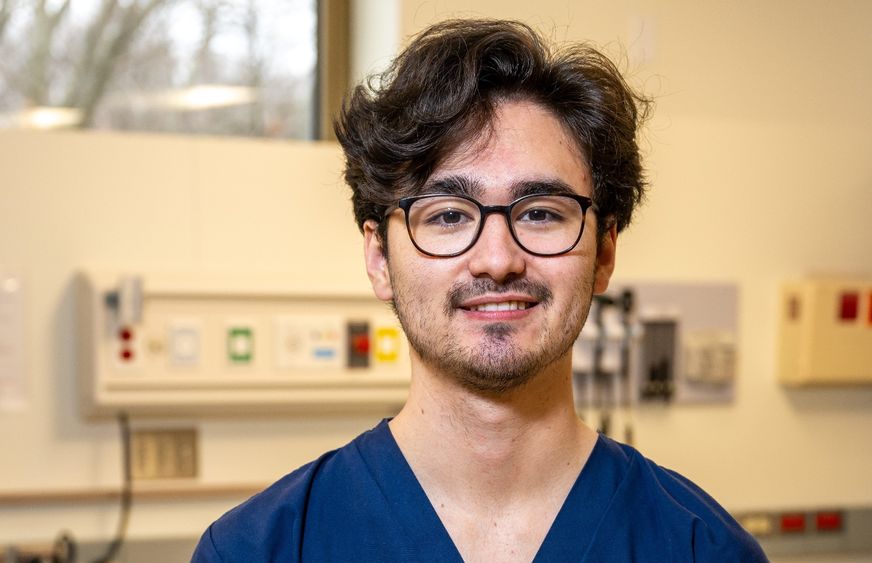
445, 225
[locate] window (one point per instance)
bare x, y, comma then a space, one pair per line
219, 67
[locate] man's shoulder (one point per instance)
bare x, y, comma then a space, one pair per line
269, 525
672, 509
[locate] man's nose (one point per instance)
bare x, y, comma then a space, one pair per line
496, 254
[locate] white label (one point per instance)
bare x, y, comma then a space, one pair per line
12, 378
310, 341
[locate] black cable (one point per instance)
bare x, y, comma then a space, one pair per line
126, 492
626, 302
64, 549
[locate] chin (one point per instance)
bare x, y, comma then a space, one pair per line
494, 372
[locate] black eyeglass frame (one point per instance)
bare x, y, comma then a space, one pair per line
505, 210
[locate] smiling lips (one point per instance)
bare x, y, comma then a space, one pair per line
484, 299
498, 307
502, 306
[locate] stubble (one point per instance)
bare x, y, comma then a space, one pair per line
495, 363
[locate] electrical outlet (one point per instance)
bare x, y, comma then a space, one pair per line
163, 454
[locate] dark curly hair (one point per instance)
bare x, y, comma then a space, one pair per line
443, 89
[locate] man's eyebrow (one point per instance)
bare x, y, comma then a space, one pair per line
549, 187
454, 185
466, 186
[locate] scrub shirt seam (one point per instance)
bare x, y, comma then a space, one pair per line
608, 508
214, 547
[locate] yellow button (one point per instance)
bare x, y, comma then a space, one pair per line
387, 344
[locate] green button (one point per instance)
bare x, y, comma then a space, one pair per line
240, 345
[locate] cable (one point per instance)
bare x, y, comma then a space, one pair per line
626, 302
126, 492
64, 549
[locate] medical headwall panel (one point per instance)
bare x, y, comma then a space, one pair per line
825, 332
175, 344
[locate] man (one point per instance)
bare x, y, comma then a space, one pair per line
490, 178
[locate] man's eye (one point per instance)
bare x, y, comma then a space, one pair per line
539, 216
448, 217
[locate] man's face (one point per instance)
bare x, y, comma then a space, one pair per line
495, 316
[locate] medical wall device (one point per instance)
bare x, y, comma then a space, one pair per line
825, 331
171, 344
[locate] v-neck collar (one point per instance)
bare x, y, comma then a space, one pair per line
399, 486
576, 525
568, 539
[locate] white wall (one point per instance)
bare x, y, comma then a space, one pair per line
760, 172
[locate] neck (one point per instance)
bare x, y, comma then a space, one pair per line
474, 446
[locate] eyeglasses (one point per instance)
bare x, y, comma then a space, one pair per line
444, 225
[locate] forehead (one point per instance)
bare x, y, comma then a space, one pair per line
525, 145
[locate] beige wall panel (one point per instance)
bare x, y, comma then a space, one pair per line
280, 207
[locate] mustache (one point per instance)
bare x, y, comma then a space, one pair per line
461, 291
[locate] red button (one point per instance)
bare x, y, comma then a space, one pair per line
127, 355
125, 334
849, 306
828, 521
793, 523
361, 344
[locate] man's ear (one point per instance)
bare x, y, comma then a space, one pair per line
605, 259
376, 262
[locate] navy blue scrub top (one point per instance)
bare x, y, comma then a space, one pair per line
363, 503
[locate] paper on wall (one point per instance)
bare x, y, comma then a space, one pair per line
12, 377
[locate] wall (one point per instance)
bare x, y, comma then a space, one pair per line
759, 165
136, 203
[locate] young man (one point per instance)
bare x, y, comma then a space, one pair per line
490, 178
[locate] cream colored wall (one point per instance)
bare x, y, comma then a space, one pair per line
759, 164
135, 203
756, 104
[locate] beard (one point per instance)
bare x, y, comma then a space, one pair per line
494, 362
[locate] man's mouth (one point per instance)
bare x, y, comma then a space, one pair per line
486, 296
502, 306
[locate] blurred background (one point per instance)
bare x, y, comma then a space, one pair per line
177, 245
